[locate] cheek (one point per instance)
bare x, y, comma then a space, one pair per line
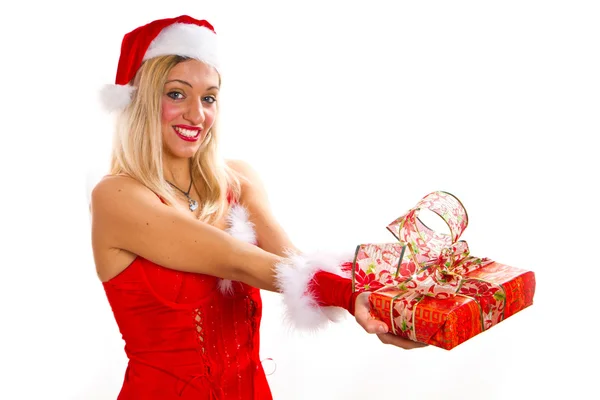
169, 112
209, 116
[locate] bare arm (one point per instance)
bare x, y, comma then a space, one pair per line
128, 216
330, 288
270, 234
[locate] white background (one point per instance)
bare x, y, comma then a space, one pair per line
351, 112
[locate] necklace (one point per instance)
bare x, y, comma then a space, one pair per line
193, 203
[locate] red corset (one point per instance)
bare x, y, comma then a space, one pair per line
184, 338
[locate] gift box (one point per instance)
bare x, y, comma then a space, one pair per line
428, 288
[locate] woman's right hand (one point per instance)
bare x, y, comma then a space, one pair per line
362, 313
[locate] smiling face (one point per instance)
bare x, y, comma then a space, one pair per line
189, 107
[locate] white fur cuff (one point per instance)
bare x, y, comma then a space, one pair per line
294, 274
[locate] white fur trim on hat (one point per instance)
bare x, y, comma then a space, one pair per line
240, 228
116, 97
294, 274
186, 40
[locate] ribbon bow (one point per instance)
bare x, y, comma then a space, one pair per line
441, 259
435, 266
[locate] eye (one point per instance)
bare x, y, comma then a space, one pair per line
175, 95
209, 99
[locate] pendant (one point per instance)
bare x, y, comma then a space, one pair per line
193, 204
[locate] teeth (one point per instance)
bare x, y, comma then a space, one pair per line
186, 132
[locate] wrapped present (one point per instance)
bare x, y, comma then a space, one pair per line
428, 288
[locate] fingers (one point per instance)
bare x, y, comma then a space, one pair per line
363, 316
374, 326
371, 325
388, 338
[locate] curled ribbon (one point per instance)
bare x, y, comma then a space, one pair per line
426, 263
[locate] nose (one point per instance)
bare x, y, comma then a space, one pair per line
195, 112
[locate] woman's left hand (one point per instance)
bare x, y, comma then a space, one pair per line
362, 313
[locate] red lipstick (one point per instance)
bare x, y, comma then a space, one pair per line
185, 135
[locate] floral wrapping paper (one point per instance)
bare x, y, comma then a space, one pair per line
428, 288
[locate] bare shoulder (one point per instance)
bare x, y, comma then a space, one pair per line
270, 235
251, 183
115, 199
243, 169
120, 194
112, 196
114, 188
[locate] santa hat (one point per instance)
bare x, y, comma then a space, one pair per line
183, 36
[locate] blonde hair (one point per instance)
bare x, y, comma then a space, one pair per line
138, 146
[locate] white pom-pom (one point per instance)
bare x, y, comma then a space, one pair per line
116, 97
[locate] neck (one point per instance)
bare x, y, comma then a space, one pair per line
177, 171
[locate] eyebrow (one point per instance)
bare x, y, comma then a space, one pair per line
189, 84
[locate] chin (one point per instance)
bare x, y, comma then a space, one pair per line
188, 152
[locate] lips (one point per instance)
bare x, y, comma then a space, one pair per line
187, 133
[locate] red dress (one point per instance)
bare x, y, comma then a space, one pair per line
184, 338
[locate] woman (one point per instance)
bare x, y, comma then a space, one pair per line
183, 242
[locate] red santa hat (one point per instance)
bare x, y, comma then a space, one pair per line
183, 36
